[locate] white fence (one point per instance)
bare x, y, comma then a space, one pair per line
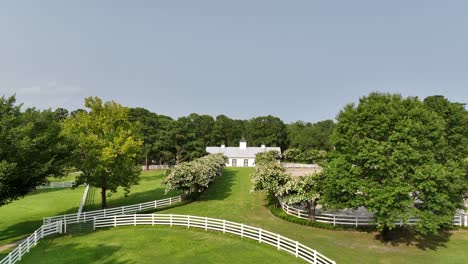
83, 200
54, 185
24, 247
340, 219
155, 167
301, 165
262, 236
128, 209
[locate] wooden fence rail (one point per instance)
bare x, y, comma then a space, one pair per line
45, 230
54, 185
127, 209
262, 236
340, 219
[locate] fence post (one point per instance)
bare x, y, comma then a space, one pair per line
9, 258
170, 219
224, 226
315, 256
278, 242
28, 244
152, 219
242, 230
35, 238
260, 236
155, 204
334, 220
94, 223
134, 220
115, 220
206, 223
188, 221
65, 226
297, 249
42, 231
140, 206
19, 252
356, 221
84, 215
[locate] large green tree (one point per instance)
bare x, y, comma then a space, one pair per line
267, 130
106, 149
306, 136
31, 149
387, 159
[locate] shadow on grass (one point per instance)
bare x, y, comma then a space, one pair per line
74, 253
408, 236
221, 188
133, 198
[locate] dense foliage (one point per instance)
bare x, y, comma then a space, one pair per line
393, 157
196, 175
106, 147
302, 190
31, 149
269, 175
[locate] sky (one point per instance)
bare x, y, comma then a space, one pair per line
298, 60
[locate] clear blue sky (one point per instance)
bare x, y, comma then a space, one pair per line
299, 60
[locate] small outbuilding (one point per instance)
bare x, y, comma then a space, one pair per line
242, 156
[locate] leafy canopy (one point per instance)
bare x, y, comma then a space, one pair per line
389, 158
106, 150
31, 149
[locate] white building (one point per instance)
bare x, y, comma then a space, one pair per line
241, 156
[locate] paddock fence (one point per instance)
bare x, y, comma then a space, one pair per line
300, 165
155, 167
83, 200
127, 209
45, 230
341, 219
258, 234
56, 185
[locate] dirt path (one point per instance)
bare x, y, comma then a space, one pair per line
11, 245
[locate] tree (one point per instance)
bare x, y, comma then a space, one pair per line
196, 175
456, 126
153, 129
267, 157
305, 136
269, 177
386, 160
268, 130
302, 189
31, 149
106, 150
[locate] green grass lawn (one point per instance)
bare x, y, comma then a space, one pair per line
160, 244
148, 189
229, 197
22, 217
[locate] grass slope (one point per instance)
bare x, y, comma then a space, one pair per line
160, 244
230, 198
22, 217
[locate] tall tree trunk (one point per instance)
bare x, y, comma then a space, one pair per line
314, 206
103, 197
309, 209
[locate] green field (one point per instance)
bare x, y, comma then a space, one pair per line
22, 217
229, 197
162, 244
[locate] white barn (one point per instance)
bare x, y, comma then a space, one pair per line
241, 156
